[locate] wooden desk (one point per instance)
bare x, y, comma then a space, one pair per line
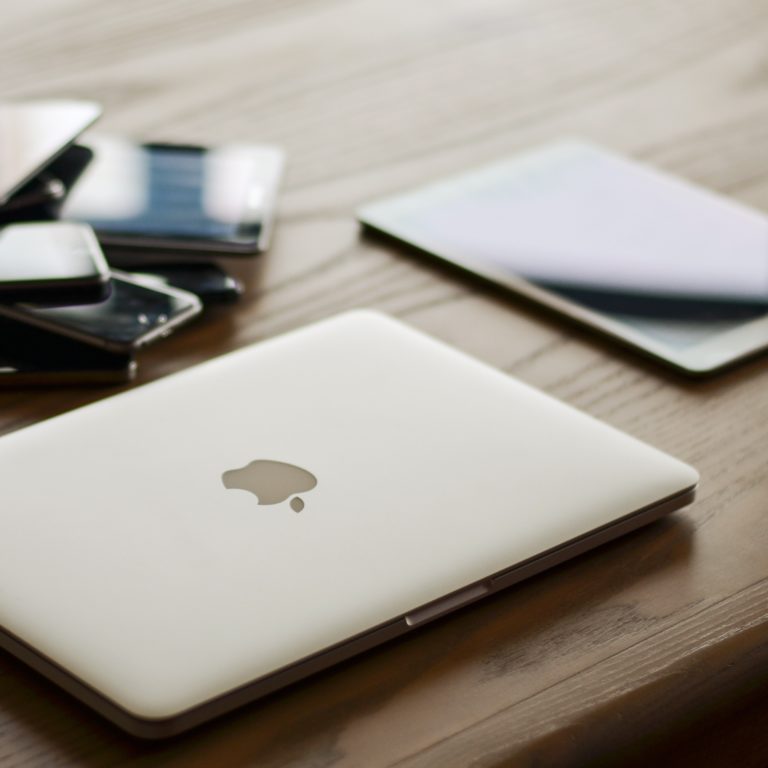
651, 648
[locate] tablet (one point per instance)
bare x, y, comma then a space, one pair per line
666, 267
183, 548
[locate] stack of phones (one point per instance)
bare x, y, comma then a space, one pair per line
65, 317
105, 246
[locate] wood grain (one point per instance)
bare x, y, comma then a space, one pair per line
651, 649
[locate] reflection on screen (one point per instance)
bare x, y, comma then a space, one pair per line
129, 312
176, 192
675, 262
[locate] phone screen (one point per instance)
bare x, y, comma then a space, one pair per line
670, 260
133, 314
176, 193
56, 261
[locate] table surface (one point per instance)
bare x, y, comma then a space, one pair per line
651, 646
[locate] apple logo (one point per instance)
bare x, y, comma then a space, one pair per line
271, 481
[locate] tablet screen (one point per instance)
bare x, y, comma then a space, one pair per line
674, 262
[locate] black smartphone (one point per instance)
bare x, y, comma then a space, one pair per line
30, 356
52, 263
177, 197
209, 282
135, 314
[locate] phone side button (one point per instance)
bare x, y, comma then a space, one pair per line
446, 604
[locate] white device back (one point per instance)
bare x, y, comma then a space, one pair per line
125, 560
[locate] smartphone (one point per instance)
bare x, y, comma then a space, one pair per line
177, 197
52, 263
34, 133
135, 314
30, 356
659, 264
210, 283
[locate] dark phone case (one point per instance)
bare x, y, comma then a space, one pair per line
208, 281
41, 198
30, 356
55, 295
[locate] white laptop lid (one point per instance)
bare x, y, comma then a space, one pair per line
126, 561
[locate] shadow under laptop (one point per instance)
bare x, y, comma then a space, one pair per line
475, 661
